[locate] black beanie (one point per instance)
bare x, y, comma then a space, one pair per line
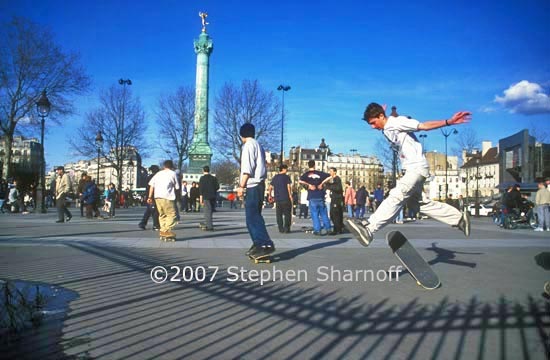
247, 130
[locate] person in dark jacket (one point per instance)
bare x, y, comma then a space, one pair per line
89, 195
194, 195
280, 185
80, 190
151, 209
360, 202
208, 188
334, 184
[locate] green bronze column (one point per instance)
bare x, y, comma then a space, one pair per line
200, 153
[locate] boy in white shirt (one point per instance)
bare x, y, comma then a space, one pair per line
399, 130
163, 187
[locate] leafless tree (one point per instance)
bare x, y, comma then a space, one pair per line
226, 171
117, 108
249, 103
466, 139
175, 116
30, 62
540, 133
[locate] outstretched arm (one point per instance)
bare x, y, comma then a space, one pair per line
461, 117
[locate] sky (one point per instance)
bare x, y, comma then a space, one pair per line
427, 58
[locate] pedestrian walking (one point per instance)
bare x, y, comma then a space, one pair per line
162, 188
399, 130
62, 189
253, 175
316, 197
542, 202
349, 199
334, 184
208, 188
151, 209
281, 187
361, 197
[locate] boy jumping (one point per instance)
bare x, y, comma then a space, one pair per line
399, 130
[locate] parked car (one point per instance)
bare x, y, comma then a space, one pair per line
484, 210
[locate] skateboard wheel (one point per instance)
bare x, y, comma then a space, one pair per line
418, 283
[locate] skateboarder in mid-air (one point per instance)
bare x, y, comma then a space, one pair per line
399, 130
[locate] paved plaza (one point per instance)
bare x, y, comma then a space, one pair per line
323, 297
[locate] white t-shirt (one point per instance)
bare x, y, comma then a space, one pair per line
165, 183
400, 132
253, 162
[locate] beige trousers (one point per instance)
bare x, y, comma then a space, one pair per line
167, 213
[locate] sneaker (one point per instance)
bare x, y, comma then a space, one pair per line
60, 221
68, 218
538, 229
262, 251
547, 287
323, 232
360, 230
156, 228
464, 223
141, 226
251, 249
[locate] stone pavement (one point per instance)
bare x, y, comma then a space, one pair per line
323, 297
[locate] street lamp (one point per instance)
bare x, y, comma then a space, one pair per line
284, 88
477, 184
99, 145
323, 147
447, 134
423, 137
123, 82
353, 152
43, 106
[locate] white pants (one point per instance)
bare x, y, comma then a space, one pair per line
410, 188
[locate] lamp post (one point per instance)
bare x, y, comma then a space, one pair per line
323, 147
353, 152
98, 145
423, 137
447, 134
283, 88
123, 82
477, 184
43, 106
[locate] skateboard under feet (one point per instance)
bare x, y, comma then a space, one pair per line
168, 237
265, 259
413, 261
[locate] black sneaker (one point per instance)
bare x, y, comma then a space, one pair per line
156, 228
262, 251
69, 218
464, 223
141, 226
251, 250
360, 230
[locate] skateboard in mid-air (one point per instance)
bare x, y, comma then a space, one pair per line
413, 261
168, 237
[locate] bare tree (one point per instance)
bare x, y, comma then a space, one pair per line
467, 139
175, 116
226, 171
249, 103
117, 108
30, 62
540, 133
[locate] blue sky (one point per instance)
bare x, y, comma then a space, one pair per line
429, 58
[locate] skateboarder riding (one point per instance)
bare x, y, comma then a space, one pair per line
399, 130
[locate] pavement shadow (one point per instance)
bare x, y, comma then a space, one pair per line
291, 254
122, 315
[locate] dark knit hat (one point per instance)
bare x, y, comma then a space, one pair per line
247, 130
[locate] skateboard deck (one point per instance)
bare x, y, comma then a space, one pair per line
307, 229
413, 261
266, 259
168, 238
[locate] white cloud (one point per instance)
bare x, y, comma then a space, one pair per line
525, 98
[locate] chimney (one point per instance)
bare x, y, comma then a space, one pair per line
485, 146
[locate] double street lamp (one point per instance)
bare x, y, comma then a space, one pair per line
99, 146
447, 134
123, 82
283, 88
43, 106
